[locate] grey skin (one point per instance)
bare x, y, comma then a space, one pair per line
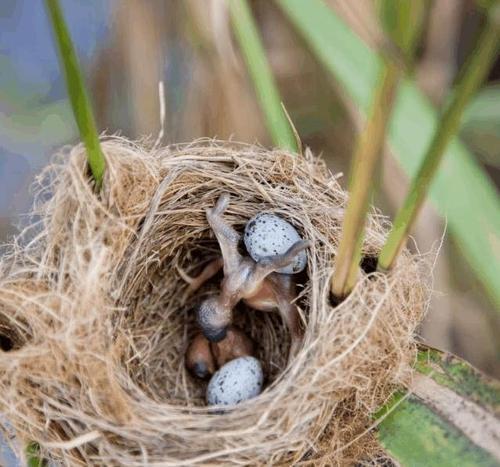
255, 282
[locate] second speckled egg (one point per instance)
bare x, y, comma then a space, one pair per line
267, 234
236, 381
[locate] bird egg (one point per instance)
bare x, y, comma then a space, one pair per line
267, 234
236, 381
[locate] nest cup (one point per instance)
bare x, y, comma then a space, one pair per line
99, 318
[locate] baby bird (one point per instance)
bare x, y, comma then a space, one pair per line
204, 357
254, 282
236, 344
199, 358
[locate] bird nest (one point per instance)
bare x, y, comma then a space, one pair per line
95, 317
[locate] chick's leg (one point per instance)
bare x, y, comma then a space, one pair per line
290, 315
209, 271
269, 264
285, 294
227, 237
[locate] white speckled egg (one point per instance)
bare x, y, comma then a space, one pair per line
235, 382
267, 234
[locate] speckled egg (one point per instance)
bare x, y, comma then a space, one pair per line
235, 382
267, 234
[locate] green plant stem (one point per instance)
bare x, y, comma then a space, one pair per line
76, 89
260, 72
473, 214
366, 158
402, 21
475, 71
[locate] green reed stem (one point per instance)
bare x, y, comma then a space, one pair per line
474, 72
260, 72
80, 102
364, 164
402, 22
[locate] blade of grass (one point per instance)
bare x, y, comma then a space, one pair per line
298, 141
77, 92
260, 72
473, 214
475, 71
401, 21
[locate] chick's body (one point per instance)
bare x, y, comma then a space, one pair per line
236, 344
204, 357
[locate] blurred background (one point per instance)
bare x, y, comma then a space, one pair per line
126, 47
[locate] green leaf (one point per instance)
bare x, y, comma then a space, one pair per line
481, 125
33, 456
77, 92
261, 75
449, 417
415, 435
451, 371
461, 190
402, 23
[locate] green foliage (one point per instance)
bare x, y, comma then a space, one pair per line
456, 374
473, 75
402, 23
461, 191
261, 75
76, 90
415, 435
418, 430
481, 125
33, 456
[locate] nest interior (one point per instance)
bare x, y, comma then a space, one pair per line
95, 317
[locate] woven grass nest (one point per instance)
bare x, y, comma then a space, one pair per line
98, 316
